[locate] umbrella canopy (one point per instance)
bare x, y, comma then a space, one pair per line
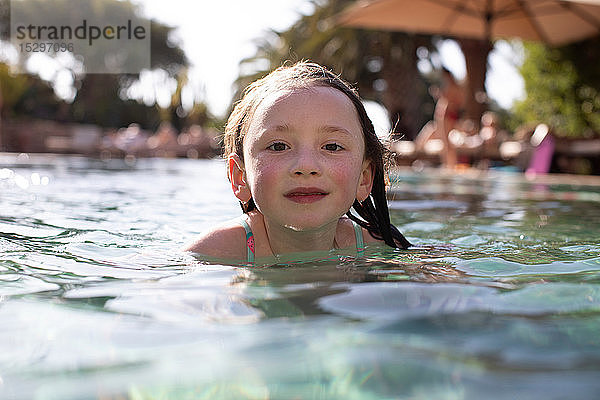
475, 23
555, 22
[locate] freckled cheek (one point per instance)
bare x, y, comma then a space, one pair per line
345, 175
263, 177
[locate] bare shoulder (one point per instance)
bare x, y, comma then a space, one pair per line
370, 239
348, 228
225, 241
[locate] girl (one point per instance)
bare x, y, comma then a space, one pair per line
301, 153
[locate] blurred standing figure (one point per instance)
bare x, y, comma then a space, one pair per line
448, 110
435, 137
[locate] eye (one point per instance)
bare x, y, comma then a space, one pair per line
333, 147
278, 146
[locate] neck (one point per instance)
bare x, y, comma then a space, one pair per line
287, 240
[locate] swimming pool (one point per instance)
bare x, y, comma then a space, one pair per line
500, 300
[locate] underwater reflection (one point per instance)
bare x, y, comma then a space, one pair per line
295, 290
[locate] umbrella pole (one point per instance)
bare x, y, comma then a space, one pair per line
476, 53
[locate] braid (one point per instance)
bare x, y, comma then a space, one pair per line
376, 217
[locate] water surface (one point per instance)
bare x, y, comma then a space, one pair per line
500, 298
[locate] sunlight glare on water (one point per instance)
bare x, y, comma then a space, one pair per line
499, 298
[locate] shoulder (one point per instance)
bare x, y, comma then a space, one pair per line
368, 239
226, 241
347, 227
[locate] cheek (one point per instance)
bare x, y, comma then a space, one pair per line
263, 175
346, 175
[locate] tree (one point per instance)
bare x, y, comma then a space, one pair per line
99, 98
12, 88
102, 99
563, 88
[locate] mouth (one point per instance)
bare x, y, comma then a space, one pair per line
305, 195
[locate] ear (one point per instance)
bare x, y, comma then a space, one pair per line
237, 177
365, 183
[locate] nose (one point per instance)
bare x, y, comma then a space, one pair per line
306, 163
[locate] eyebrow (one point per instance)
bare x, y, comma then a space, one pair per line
322, 129
334, 129
281, 128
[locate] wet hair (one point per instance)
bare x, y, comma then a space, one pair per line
373, 211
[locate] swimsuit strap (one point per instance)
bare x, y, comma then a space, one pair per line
358, 234
249, 239
360, 243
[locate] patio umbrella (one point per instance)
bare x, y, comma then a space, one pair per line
475, 23
555, 22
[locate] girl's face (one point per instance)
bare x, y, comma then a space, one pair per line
304, 158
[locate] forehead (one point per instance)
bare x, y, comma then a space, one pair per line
306, 106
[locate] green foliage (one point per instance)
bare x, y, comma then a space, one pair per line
27, 95
100, 98
563, 88
12, 88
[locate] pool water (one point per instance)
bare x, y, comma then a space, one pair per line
500, 298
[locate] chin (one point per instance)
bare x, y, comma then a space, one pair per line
309, 223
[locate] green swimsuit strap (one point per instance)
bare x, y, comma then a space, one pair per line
249, 239
360, 243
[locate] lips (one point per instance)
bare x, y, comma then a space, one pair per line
305, 195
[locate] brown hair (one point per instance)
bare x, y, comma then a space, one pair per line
374, 210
